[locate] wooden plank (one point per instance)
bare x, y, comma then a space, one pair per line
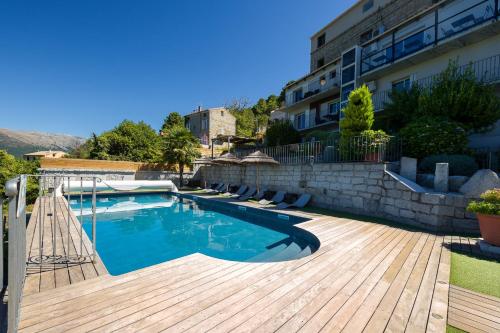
47, 276
473, 320
480, 296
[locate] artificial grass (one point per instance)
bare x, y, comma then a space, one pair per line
451, 329
476, 274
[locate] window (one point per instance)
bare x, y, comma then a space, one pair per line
346, 91
368, 5
366, 36
349, 58
334, 107
333, 74
301, 121
297, 95
204, 122
188, 124
401, 85
321, 40
348, 74
320, 62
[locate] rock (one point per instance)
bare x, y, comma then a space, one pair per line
409, 168
455, 182
425, 180
479, 183
441, 177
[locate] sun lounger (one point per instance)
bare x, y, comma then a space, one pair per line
217, 189
278, 197
301, 202
251, 191
259, 195
229, 190
238, 193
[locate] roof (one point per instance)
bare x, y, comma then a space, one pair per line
45, 152
206, 110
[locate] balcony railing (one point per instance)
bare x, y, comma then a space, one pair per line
440, 24
313, 88
486, 70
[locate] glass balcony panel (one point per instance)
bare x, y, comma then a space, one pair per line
348, 74
349, 58
461, 15
414, 43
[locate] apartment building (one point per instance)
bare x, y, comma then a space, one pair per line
390, 44
207, 124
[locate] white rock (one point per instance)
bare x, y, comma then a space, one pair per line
479, 183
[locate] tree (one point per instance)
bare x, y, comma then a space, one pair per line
128, 141
281, 132
11, 167
460, 97
401, 110
358, 114
180, 147
173, 119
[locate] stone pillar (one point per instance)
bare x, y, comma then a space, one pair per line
441, 177
409, 168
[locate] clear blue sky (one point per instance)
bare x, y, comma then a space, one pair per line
79, 67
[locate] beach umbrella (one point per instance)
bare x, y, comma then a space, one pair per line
257, 158
203, 161
227, 159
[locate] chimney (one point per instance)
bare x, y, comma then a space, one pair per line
199, 108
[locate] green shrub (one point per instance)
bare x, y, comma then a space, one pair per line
319, 135
358, 114
459, 165
281, 132
490, 205
433, 136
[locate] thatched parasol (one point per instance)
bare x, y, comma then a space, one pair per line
257, 158
204, 160
227, 159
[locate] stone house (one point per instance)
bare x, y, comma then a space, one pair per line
206, 124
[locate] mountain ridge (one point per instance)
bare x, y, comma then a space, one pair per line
18, 143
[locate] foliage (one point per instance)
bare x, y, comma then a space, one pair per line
281, 132
490, 205
11, 167
460, 97
173, 119
459, 165
358, 114
456, 95
180, 146
320, 135
129, 141
401, 110
432, 136
81, 151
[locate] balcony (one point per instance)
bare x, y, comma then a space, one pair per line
324, 82
486, 70
444, 22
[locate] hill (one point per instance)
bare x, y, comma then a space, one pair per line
18, 143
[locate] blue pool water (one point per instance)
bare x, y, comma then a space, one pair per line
136, 231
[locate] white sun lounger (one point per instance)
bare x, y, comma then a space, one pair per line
301, 202
278, 197
251, 191
216, 190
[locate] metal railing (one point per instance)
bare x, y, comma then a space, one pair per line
440, 24
314, 87
336, 150
486, 70
50, 189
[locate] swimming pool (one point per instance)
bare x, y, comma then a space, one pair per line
139, 230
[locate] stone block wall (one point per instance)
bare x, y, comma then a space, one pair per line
363, 188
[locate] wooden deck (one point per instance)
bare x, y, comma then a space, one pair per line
49, 276
473, 312
365, 277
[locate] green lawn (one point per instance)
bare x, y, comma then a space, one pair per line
476, 274
451, 329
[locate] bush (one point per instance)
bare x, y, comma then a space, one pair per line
319, 135
490, 205
459, 165
358, 114
433, 136
281, 132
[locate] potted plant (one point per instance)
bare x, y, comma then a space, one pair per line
373, 145
488, 214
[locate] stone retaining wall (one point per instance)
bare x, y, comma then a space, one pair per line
364, 188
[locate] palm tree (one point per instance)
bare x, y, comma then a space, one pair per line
180, 147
